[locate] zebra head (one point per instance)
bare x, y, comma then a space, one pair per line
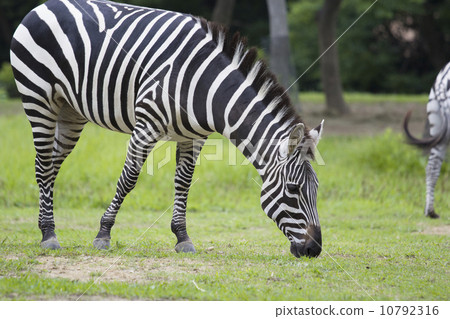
289, 191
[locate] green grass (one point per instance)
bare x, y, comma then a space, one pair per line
310, 96
376, 242
367, 98
9, 106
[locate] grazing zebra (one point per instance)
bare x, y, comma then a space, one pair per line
438, 110
160, 75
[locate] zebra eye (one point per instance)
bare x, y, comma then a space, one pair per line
292, 187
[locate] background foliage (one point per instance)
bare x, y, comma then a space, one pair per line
386, 51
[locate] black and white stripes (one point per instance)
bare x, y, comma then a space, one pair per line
438, 111
160, 75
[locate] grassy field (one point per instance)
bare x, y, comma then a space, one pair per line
368, 98
376, 242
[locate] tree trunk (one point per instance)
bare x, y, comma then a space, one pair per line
223, 11
6, 29
280, 52
329, 63
432, 36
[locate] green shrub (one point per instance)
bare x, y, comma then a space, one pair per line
390, 154
7, 81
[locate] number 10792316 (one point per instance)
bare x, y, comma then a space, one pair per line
409, 310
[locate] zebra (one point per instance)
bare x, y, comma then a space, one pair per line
160, 75
438, 111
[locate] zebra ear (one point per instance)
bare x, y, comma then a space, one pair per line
289, 145
316, 133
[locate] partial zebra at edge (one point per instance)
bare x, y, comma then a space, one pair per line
438, 112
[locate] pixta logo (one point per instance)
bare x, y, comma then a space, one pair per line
216, 149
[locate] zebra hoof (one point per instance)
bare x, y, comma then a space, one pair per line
51, 243
185, 247
101, 243
432, 214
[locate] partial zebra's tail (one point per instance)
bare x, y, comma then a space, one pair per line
425, 143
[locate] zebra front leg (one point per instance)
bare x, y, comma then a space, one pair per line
142, 141
187, 154
433, 169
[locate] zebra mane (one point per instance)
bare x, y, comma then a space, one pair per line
246, 59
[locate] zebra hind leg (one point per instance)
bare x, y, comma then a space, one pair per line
435, 160
187, 154
68, 131
142, 141
45, 177
43, 124
69, 126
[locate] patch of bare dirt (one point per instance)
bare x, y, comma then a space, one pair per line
437, 230
11, 257
367, 118
16, 296
113, 269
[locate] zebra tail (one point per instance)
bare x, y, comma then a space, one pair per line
425, 143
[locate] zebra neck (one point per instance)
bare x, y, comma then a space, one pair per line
258, 139
244, 116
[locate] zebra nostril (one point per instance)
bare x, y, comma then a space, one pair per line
296, 250
308, 252
313, 248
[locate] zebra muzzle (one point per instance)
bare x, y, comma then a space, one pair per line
312, 246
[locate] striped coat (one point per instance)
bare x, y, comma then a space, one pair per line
438, 111
160, 75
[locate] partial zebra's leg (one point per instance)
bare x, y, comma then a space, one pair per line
142, 141
43, 124
187, 154
437, 155
68, 129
